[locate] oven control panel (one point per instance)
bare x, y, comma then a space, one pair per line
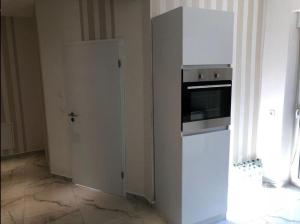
207, 74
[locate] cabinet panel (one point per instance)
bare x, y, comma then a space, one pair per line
204, 176
207, 37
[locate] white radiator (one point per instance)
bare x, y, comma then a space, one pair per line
7, 136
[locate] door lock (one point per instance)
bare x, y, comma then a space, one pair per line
72, 116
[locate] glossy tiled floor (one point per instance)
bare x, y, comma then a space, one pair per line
29, 194
265, 205
252, 203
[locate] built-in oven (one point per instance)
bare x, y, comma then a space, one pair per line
206, 98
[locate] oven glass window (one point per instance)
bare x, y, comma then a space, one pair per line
205, 103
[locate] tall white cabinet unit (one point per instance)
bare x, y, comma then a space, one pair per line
190, 187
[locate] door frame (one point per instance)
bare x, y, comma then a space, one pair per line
295, 155
123, 111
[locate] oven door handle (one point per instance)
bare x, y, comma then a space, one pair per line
209, 86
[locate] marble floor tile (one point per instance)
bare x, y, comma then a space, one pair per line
12, 211
10, 164
289, 214
11, 192
31, 195
5, 177
16, 175
51, 202
97, 198
70, 217
147, 213
99, 207
46, 183
74, 217
126, 221
225, 222
265, 205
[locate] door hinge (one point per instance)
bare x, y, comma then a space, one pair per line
119, 63
122, 175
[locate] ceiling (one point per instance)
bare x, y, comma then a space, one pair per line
19, 8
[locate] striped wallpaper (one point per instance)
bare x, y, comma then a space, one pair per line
97, 19
22, 112
10, 93
246, 66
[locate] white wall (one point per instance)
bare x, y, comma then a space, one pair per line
58, 22
130, 24
278, 90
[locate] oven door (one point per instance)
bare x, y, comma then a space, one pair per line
205, 106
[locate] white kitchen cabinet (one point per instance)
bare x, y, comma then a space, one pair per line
205, 176
190, 171
207, 37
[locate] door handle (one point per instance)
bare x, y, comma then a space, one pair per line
209, 86
297, 114
72, 116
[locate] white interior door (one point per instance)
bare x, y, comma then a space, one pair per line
94, 96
